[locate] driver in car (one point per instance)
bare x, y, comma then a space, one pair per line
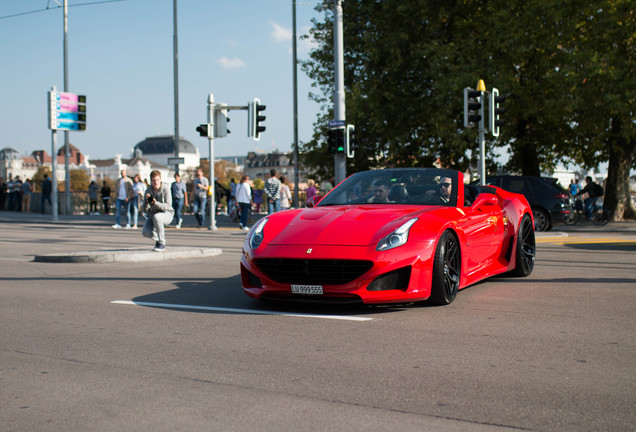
444, 192
380, 193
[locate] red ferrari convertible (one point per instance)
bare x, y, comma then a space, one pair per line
390, 236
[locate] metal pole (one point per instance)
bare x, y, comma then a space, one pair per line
53, 172
54, 175
482, 157
482, 140
211, 195
295, 60
340, 166
176, 87
67, 152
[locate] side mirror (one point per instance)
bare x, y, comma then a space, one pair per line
313, 201
484, 200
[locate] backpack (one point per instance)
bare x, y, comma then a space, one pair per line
597, 189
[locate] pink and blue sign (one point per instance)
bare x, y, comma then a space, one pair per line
67, 111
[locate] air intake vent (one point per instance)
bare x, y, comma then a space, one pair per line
312, 272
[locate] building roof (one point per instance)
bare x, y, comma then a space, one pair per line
9, 154
103, 162
62, 150
143, 161
164, 145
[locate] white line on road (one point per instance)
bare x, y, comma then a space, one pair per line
242, 311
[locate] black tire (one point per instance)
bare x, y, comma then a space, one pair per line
526, 248
446, 270
572, 218
541, 220
600, 218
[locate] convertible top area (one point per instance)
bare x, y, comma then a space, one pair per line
415, 186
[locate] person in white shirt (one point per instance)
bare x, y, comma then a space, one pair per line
124, 194
244, 200
285, 195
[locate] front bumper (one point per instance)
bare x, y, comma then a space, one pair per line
397, 275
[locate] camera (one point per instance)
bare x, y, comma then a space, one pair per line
150, 199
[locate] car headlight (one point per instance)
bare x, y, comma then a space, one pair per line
256, 237
397, 237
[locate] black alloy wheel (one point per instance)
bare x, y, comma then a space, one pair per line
446, 270
526, 248
541, 220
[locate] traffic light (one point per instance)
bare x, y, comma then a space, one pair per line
204, 130
255, 119
336, 140
473, 107
340, 140
331, 141
350, 141
220, 122
494, 111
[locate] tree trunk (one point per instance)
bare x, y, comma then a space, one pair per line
527, 150
617, 201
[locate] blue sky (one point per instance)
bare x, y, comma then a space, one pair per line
121, 58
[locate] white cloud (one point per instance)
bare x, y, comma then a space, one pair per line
234, 63
279, 33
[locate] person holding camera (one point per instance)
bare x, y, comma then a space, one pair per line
159, 211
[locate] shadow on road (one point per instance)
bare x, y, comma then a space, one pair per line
227, 293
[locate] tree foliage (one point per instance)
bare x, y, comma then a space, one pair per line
564, 65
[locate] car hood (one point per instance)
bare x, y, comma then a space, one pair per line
338, 225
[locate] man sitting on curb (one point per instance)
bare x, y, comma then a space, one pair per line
159, 211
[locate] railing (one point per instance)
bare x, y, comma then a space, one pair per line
80, 203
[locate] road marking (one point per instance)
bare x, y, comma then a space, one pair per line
574, 240
242, 311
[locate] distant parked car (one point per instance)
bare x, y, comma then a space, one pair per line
549, 201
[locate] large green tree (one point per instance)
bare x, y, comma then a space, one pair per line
605, 88
406, 62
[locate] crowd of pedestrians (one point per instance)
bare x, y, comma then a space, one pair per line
164, 203
15, 194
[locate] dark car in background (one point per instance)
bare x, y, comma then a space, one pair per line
549, 201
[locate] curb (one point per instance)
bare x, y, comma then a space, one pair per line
127, 255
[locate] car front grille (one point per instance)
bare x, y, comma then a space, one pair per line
312, 272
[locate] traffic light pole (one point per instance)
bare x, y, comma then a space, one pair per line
482, 134
67, 151
340, 165
482, 153
211, 194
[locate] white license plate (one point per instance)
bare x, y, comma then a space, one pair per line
307, 289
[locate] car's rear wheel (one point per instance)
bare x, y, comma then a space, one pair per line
526, 248
446, 270
541, 220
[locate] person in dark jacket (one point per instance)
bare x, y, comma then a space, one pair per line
593, 191
106, 198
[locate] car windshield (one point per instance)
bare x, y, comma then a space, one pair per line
416, 186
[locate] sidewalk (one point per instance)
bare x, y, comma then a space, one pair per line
126, 254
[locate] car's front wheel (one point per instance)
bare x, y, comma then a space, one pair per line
446, 270
526, 248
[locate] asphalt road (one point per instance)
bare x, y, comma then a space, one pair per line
175, 344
